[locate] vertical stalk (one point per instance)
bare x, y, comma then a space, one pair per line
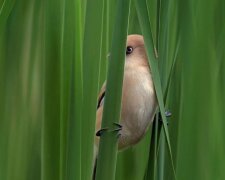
51, 122
71, 70
161, 156
144, 20
106, 165
92, 49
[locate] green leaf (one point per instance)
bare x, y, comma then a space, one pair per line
52, 61
152, 57
91, 70
71, 92
106, 165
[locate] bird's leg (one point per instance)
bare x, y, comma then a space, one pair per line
167, 114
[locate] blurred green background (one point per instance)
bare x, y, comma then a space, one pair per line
53, 60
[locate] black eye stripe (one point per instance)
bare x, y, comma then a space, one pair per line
129, 50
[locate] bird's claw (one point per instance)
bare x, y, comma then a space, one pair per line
167, 114
100, 132
117, 129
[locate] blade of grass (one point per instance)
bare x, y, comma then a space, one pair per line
134, 27
151, 52
168, 46
19, 114
91, 69
107, 156
65, 84
200, 26
168, 41
152, 162
105, 44
161, 156
71, 84
5, 11
158, 13
51, 120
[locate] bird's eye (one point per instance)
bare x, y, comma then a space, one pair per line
129, 50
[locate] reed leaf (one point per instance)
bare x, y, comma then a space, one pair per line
143, 16
52, 61
91, 69
106, 165
71, 91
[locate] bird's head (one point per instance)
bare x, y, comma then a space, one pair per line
135, 51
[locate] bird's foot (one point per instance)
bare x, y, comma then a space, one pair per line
117, 129
101, 131
167, 114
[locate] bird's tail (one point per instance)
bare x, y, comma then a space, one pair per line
94, 170
95, 161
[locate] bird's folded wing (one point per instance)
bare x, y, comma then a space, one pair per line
101, 95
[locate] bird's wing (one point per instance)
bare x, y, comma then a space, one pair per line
101, 95
99, 112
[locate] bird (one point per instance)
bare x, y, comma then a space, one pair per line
138, 103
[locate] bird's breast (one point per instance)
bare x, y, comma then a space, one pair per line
138, 105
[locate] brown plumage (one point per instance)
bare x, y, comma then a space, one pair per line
138, 96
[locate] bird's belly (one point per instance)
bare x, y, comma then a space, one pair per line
137, 113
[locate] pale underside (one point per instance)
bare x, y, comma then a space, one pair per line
138, 106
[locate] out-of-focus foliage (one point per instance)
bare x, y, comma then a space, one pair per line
42, 76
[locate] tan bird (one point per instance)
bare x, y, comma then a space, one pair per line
138, 96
